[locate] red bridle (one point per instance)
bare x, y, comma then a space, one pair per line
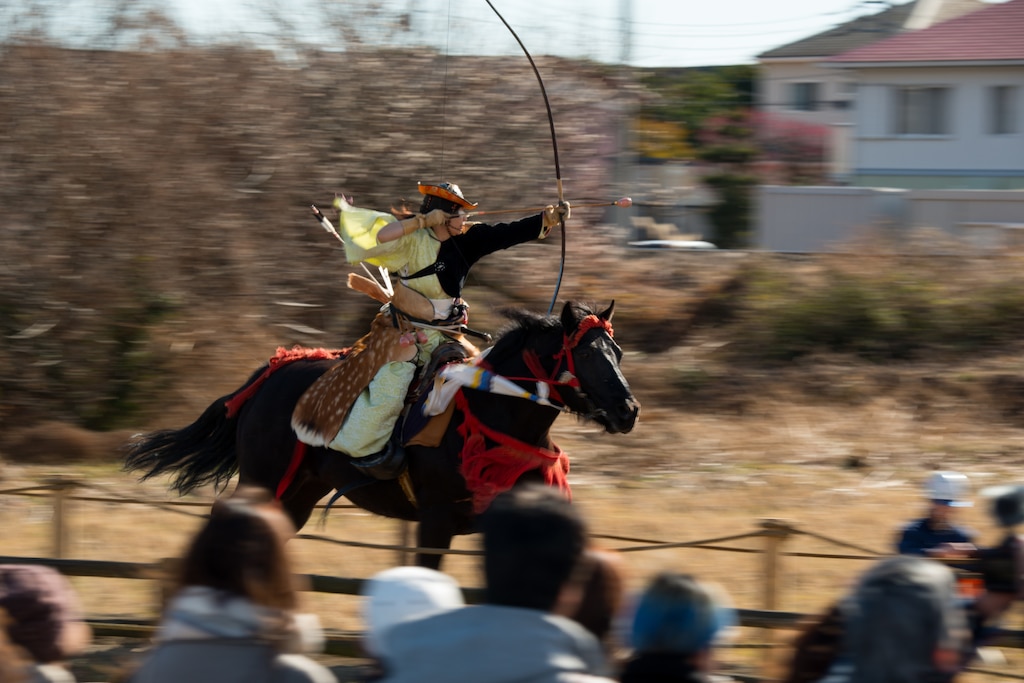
568, 377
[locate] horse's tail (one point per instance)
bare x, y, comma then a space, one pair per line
202, 453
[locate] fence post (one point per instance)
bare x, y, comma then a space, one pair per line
167, 569
61, 488
404, 540
775, 532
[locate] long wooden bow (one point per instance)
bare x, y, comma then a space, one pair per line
554, 147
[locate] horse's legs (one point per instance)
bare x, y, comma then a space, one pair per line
300, 500
436, 528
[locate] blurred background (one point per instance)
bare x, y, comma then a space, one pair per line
814, 313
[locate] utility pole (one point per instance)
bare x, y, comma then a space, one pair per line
625, 31
625, 173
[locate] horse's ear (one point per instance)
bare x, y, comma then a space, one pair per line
607, 313
568, 317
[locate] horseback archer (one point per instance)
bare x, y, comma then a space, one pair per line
355, 408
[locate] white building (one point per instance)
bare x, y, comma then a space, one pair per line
941, 108
795, 82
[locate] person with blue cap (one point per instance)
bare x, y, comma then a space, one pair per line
676, 624
946, 492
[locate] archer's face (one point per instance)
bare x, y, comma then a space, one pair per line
455, 225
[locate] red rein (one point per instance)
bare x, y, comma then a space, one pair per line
569, 343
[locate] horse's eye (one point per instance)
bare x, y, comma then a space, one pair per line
584, 353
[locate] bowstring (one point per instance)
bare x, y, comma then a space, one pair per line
444, 119
444, 85
554, 147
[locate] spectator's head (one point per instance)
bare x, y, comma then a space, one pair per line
533, 540
677, 614
903, 622
947, 491
43, 615
1007, 504
402, 594
241, 550
601, 594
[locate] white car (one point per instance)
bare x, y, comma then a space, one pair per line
671, 244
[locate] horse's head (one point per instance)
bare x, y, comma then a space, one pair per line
591, 356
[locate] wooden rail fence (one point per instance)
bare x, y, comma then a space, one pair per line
774, 533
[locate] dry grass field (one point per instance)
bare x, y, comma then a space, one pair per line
832, 443
841, 471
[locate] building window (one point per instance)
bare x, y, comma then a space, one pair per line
921, 110
845, 92
803, 97
1003, 109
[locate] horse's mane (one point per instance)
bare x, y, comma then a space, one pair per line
523, 323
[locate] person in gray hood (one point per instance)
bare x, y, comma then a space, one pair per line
534, 569
234, 617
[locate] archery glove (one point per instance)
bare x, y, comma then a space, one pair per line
424, 220
553, 215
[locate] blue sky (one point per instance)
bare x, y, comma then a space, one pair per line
661, 32
664, 32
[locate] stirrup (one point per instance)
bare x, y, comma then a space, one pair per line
388, 463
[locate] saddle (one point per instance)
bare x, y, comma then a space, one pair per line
321, 411
413, 427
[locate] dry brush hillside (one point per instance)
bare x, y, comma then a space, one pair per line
156, 246
155, 223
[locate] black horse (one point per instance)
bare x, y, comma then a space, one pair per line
573, 354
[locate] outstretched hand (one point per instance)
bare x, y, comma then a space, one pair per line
554, 215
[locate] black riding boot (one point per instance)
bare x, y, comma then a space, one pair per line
388, 463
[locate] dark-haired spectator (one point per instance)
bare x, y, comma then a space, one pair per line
816, 647
676, 623
234, 616
1001, 566
533, 543
602, 595
43, 622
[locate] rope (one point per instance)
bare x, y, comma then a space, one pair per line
842, 544
386, 546
649, 544
40, 492
27, 490
687, 544
997, 674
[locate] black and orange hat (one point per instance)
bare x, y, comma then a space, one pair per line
445, 196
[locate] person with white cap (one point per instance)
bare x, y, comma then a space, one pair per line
400, 594
946, 491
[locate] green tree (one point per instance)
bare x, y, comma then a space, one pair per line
693, 96
729, 142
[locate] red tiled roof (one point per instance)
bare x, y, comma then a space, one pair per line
993, 33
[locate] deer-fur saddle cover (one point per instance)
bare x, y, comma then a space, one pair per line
321, 411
